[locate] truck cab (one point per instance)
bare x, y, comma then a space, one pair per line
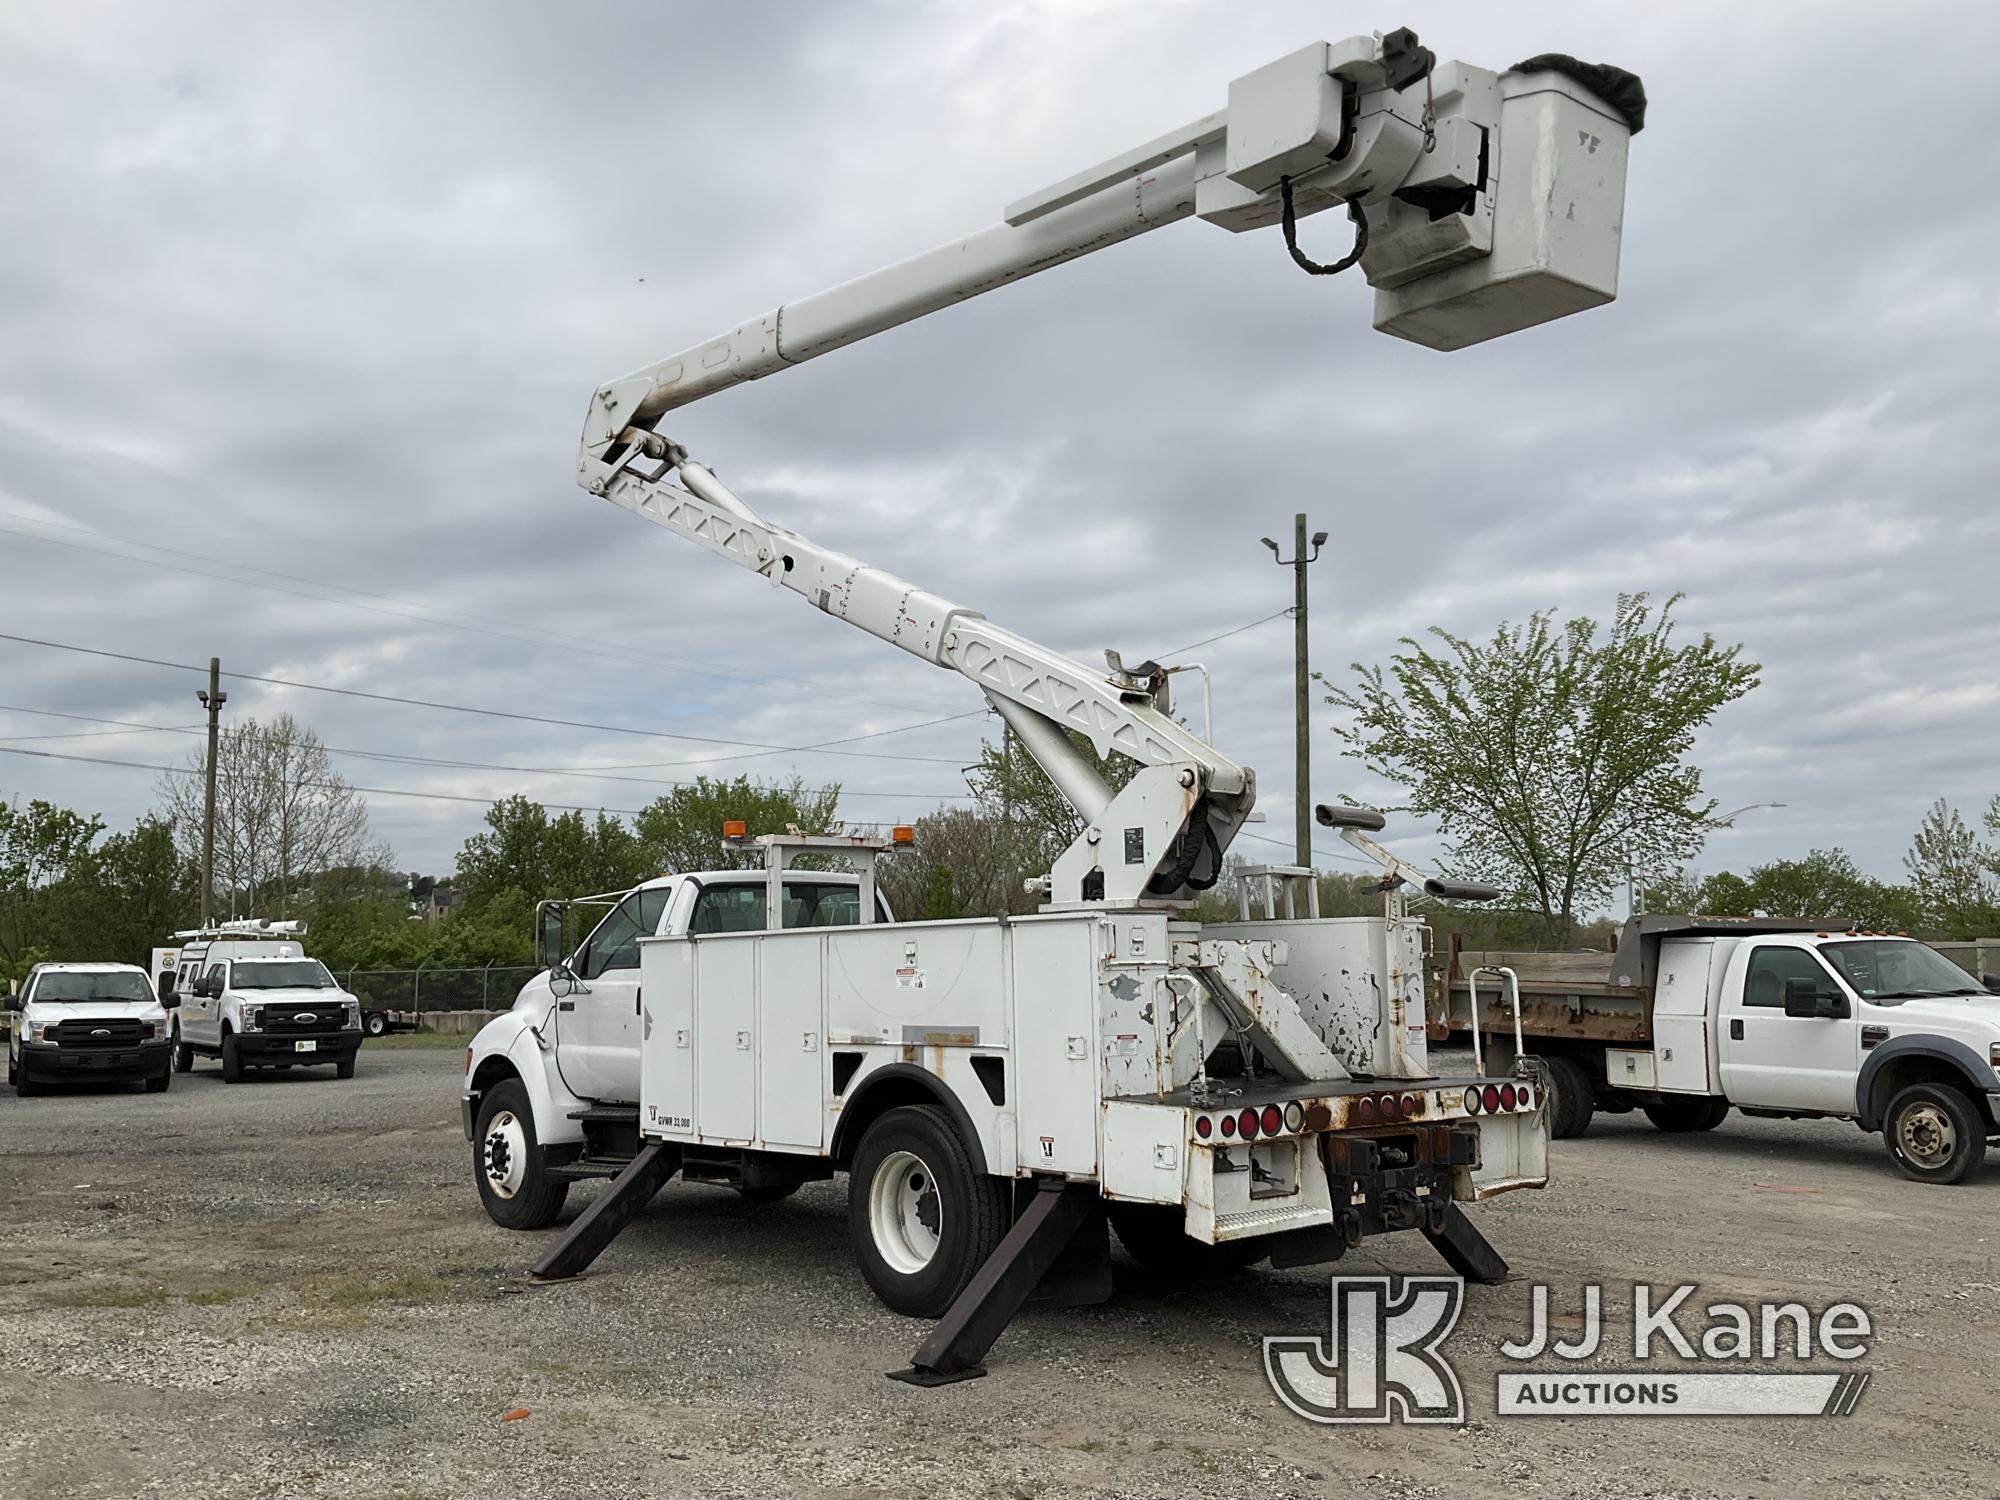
88, 1023
252, 998
1694, 1016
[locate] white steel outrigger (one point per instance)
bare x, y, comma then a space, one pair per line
1483, 203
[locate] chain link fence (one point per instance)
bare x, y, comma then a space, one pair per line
424, 989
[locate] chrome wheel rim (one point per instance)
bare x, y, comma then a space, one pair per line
1926, 1136
905, 1214
504, 1154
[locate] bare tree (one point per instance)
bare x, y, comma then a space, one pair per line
282, 814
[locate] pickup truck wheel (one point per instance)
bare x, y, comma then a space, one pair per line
232, 1063
183, 1054
1154, 1236
769, 1192
514, 1185
377, 1024
1935, 1133
344, 1068
1682, 1116
159, 1083
921, 1220
24, 1086
1570, 1097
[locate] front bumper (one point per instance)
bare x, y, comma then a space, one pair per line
263, 1048
52, 1061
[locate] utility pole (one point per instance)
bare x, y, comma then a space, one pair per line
212, 699
1302, 679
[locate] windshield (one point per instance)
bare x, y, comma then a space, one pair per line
67, 989
280, 974
1898, 971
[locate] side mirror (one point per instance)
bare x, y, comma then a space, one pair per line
167, 983
15, 1002
1805, 1000
169, 1000
549, 945
1992, 983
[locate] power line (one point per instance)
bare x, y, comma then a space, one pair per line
1211, 640
617, 650
502, 713
588, 773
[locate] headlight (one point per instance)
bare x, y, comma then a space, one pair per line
253, 1018
148, 1030
353, 1016
42, 1032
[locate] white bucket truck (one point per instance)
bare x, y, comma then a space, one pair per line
997, 1090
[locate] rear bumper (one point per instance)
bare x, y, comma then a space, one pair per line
264, 1048
51, 1061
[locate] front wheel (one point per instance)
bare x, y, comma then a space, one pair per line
921, 1220
1935, 1133
232, 1061
1156, 1236
183, 1054
514, 1185
1682, 1116
344, 1068
159, 1083
17, 1074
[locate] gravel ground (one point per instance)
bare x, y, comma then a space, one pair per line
288, 1288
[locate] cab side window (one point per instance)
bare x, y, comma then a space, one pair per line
729, 908
218, 975
615, 944
1764, 980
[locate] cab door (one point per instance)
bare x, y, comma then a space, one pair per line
597, 1022
1770, 1060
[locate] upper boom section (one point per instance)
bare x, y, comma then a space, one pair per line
1484, 203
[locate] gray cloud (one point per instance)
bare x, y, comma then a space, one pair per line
325, 293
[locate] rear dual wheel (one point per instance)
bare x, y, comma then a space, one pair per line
922, 1221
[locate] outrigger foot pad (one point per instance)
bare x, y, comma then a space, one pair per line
998, 1289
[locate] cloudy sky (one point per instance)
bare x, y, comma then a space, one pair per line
300, 308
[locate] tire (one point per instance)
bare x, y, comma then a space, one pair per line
344, 1068
514, 1186
24, 1086
770, 1192
232, 1064
183, 1054
921, 1221
376, 1024
159, 1083
1935, 1133
1685, 1116
1153, 1236
1571, 1102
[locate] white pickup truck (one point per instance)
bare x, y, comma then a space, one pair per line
1694, 1016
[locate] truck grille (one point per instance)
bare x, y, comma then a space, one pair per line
108, 1033
290, 1018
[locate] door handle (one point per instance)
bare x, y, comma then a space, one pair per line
635, 1002
565, 1005
1736, 1031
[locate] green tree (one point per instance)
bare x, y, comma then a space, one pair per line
40, 845
120, 899
986, 858
940, 904
524, 850
1550, 758
683, 830
1952, 873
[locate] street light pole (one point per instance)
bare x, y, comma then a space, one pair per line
1302, 680
212, 699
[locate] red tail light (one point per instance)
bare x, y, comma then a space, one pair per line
1526, 1096
1229, 1124
1389, 1107
1365, 1110
1272, 1120
1246, 1124
1507, 1096
1203, 1126
1410, 1105
1489, 1098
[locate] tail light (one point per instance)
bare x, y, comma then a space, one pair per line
1246, 1124
1272, 1120
1526, 1096
1365, 1110
1295, 1116
1229, 1124
1204, 1126
1389, 1108
1410, 1105
1489, 1099
1472, 1101
1507, 1096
